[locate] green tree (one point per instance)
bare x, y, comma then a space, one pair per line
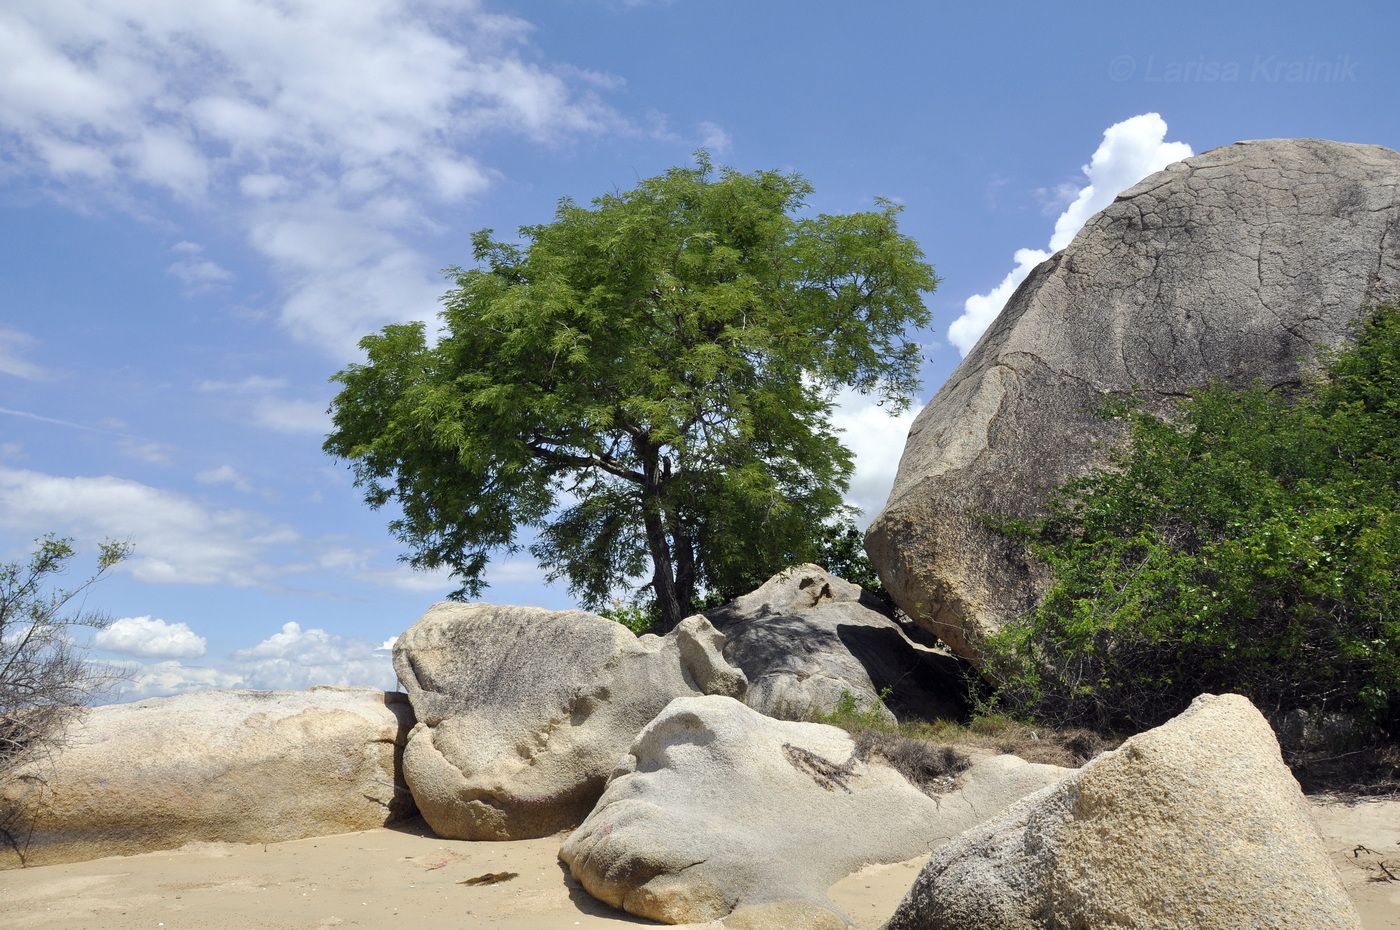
645, 381
1250, 543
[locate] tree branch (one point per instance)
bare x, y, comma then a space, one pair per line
609, 465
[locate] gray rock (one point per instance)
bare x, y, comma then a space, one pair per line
806, 638
1234, 264
231, 766
719, 809
523, 712
1196, 824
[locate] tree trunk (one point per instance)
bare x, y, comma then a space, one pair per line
663, 577
683, 552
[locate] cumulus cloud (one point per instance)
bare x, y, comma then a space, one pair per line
329, 154
875, 439
160, 679
151, 637
1129, 152
15, 350
292, 658
299, 658
176, 539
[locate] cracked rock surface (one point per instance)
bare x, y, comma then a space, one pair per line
213, 766
1197, 823
523, 712
806, 638
1235, 264
719, 812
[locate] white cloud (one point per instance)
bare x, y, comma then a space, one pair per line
151, 637
292, 658
169, 677
270, 410
302, 144
1130, 151
299, 658
225, 474
253, 384
875, 439
15, 349
292, 416
980, 310
714, 138
195, 271
514, 572
175, 539
152, 453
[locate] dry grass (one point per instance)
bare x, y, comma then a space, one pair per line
929, 747
929, 767
1070, 748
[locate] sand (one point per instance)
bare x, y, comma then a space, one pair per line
408, 878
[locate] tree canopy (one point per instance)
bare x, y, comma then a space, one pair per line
1250, 543
646, 382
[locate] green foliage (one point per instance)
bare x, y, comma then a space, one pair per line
850, 715
842, 552
640, 615
646, 382
1250, 543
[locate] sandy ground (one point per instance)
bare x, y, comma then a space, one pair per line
1364, 841
409, 878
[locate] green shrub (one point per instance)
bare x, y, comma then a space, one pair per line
1248, 543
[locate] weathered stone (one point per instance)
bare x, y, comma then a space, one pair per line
1235, 264
806, 639
523, 712
719, 809
1196, 823
233, 766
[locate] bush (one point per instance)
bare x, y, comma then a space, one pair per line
1250, 543
45, 677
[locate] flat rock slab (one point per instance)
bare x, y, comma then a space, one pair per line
1195, 824
235, 766
719, 812
807, 639
524, 712
1236, 264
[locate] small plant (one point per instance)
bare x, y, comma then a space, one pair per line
850, 715
45, 676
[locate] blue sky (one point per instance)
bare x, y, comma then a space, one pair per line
203, 206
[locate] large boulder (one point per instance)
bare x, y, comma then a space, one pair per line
806, 639
523, 712
231, 766
1236, 264
719, 809
1196, 823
